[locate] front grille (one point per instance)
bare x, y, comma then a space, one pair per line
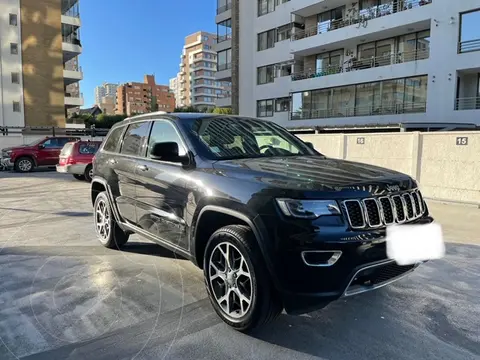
385, 210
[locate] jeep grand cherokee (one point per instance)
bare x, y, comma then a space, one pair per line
273, 223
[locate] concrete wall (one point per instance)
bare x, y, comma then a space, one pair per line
444, 169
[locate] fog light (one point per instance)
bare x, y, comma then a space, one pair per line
321, 257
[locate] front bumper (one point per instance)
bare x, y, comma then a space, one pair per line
5, 162
307, 284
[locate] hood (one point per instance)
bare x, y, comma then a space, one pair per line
15, 147
316, 173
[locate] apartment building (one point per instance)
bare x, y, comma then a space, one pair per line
39, 70
174, 85
105, 90
198, 65
140, 98
365, 62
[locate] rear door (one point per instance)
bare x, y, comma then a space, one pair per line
124, 164
161, 192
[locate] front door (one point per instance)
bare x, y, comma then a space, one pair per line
161, 193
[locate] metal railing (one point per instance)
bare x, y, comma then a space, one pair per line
469, 45
359, 18
71, 8
71, 39
361, 64
469, 103
361, 110
50, 131
221, 67
224, 8
222, 38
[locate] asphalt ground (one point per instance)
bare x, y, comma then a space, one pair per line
64, 296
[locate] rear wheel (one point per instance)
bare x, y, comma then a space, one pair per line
88, 175
237, 281
108, 232
79, 177
24, 164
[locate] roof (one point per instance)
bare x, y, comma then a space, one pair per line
90, 111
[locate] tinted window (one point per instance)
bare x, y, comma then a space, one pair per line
162, 131
51, 144
113, 139
87, 149
62, 141
135, 138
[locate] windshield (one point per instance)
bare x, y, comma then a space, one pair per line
224, 138
36, 142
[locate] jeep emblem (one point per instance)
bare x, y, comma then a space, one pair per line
393, 188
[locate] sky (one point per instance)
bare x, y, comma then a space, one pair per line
123, 40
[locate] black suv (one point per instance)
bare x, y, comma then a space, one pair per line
273, 223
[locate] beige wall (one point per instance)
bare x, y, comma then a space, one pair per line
443, 169
42, 63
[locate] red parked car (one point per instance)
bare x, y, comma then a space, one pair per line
43, 152
76, 159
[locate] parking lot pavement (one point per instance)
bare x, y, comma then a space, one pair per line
64, 296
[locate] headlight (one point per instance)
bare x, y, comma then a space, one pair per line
308, 209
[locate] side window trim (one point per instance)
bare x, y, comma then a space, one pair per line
117, 148
142, 147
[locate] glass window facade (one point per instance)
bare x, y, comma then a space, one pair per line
469, 31
376, 98
265, 108
266, 40
224, 30
265, 74
224, 60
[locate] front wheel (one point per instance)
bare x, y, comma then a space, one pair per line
237, 281
108, 231
24, 164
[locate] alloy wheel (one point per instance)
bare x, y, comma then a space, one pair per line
230, 280
90, 173
102, 220
25, 165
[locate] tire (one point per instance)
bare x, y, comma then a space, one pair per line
24, 164
113, 237
79, 177
88, 173
265, 304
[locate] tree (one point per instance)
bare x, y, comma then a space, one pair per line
223, 111
187, 109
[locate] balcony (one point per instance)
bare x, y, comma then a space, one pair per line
470, 103
71, 8
72, 76
362, 64
341, 112
73, 101
71, 45
223, 13
468, 46
365, 25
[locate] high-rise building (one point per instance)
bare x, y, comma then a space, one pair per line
198, 65
40, 45
174, 86
314, 63
141, 98
105, 90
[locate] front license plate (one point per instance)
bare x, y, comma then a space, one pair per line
410, 244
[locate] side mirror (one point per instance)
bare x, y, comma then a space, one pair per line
41, 146
167, 151
310, 145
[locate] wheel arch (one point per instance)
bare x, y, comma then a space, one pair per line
99, 185
201, 234
27, 155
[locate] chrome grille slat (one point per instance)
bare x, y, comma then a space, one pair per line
371, 213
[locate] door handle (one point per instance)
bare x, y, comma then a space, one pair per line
112, 161
142, 167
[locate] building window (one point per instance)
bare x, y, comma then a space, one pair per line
224, 30
284, 32
16, 106
224, 60
205, 38
207, 47
265, 108
265, 7
283, 70
13, 20
15, 78
469, 32
330, 61
396, 96
279, 2
331, 19
266, 40
282, 104
13, 48
265, 74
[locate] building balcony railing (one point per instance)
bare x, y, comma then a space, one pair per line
222, 38
469, 45
70, 8
469, 103
222, 67
224, 8
368, 110
362, 64
71, 39
359, 18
